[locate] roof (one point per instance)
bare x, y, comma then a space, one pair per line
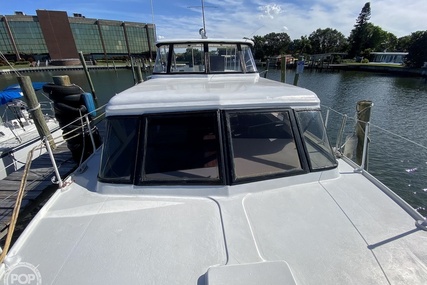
389, 53
169, 93
182, 41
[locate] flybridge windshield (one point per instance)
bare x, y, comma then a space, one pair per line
204, 58
214, 147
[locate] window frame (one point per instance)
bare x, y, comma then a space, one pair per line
140, 168
233, 180
226, 166
134, 161
316, 146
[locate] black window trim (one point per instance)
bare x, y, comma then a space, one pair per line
140, 181
307, 155
298, 142
225, 163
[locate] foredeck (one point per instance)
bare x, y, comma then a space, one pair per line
325, 226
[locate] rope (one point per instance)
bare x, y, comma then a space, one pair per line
380, 128
401, 137
18, 202
33, 109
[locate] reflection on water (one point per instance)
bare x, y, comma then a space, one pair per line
107, 83
398, 107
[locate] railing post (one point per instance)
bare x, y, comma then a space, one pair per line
55, 167
90, 132
327, 118
340, 132
365, 146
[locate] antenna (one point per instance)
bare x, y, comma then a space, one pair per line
202, 31
203, 16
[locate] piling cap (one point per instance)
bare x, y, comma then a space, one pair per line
62, 80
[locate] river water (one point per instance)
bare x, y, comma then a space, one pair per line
399, 107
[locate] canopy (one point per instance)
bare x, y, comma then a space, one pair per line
14, 92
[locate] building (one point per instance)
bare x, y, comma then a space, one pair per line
53, 36
388, 57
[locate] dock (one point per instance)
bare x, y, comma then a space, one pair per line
27, 69
39, 185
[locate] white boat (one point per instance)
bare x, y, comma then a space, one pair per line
211, 174
18, 132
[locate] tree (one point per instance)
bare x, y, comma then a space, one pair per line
417, 52
357, 38
403, 43
327, 40
276, 43
259, 45
379, 40
300, 46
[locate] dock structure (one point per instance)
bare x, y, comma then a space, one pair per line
28, 69
39, 185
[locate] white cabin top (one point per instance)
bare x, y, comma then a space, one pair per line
165, 93
216, 40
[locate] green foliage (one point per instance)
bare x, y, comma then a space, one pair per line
379, 40
259, 44
300, 46
327, 40
403, 43
417, 49
364, 15
358, 36
365, 60
271, 44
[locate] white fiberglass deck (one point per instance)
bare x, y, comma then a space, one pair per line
330, 230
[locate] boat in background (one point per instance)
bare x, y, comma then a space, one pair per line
18, 133
211, 174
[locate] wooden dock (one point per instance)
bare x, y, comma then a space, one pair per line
39, 185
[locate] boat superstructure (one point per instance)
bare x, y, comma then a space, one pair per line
211, 174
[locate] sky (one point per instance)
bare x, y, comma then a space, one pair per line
239, 18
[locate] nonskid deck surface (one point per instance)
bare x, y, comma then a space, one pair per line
39, 184
332, 231
39, 179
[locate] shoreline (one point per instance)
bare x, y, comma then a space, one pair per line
381, 68
62, 68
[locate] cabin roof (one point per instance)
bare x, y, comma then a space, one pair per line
183, 41
175, 93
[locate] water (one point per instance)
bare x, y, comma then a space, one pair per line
398, 107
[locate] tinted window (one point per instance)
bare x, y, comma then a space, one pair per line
316, 141
182, 147
262, 144
118, 155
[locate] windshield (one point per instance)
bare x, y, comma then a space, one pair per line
204, 58
214, 147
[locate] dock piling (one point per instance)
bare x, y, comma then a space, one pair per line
363, 110
283, 68
34, 109
92, 88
